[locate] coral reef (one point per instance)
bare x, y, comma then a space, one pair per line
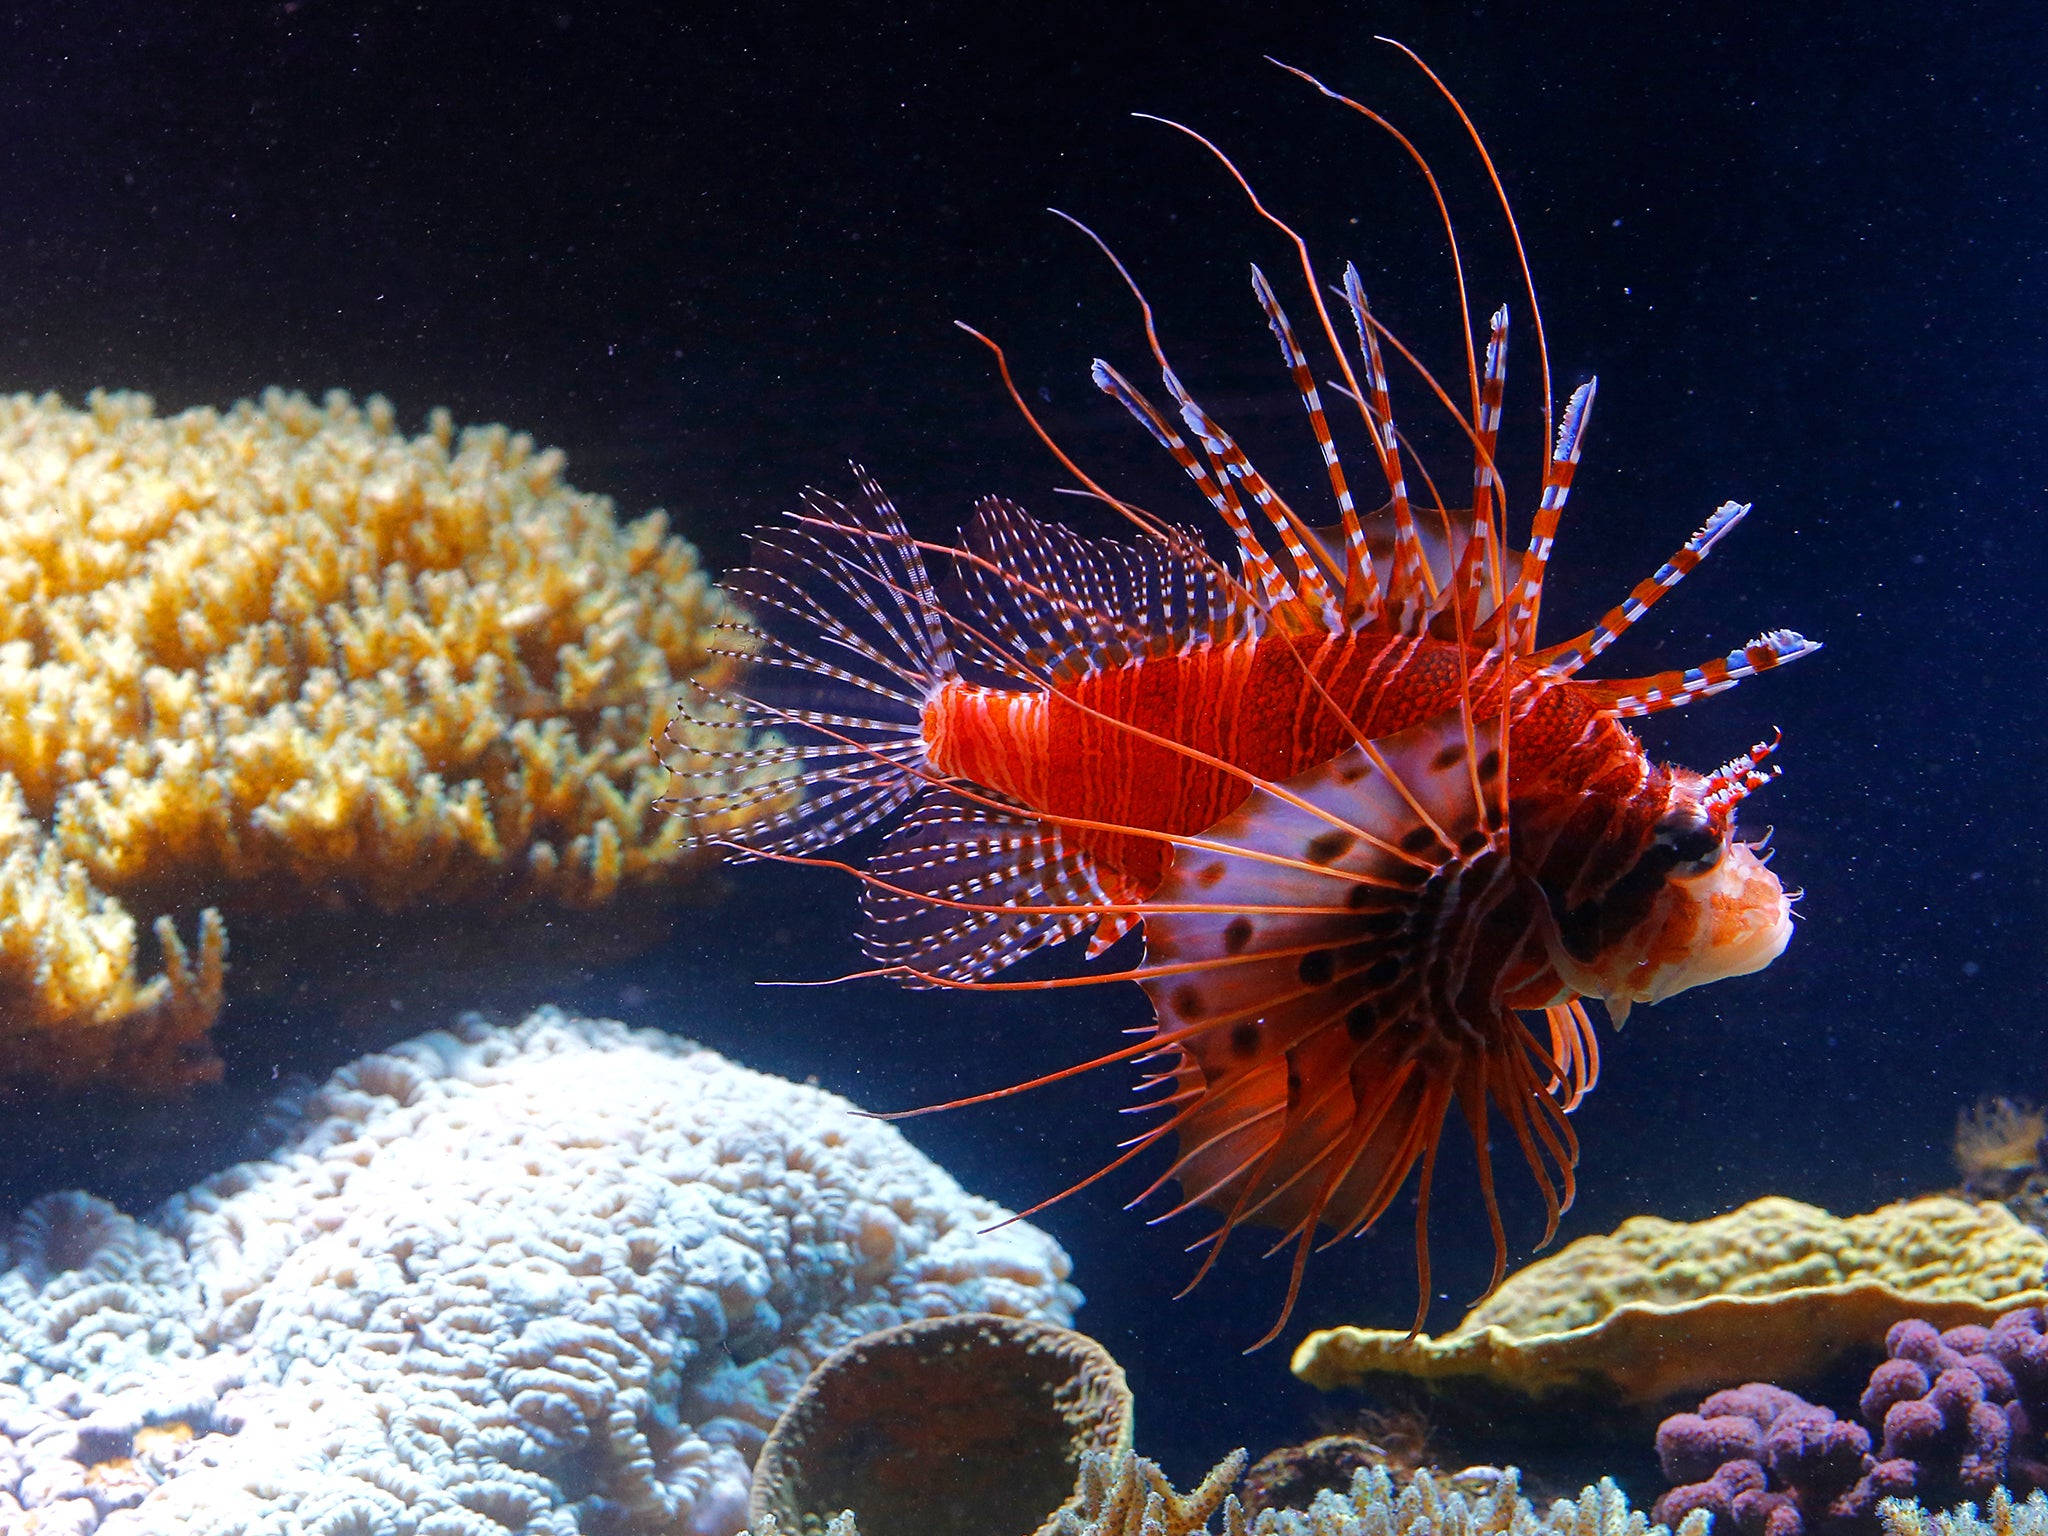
1998, 1146
284, 659
1126, 1495
2001, 1517
1998, 1137
71, 1008
1955, 1416
949, 1426
1292, 1476
1658, 1307
556, 1277
1123, 1494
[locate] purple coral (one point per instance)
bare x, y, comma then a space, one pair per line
1955, 1414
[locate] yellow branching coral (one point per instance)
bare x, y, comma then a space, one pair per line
283, 658
70, 1009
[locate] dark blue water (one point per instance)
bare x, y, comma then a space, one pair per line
713, 258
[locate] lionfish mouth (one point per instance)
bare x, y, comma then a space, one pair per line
1730, 920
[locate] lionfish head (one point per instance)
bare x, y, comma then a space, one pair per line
1719, 910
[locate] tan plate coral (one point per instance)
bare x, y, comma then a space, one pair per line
285, 659
1773, 1291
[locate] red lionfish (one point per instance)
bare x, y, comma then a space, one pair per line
1363, 821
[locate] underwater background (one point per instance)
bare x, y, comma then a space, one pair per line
714, 255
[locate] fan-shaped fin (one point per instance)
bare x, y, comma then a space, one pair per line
1041, 603
843, 644
962, 851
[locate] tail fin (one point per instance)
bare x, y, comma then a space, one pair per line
843, 644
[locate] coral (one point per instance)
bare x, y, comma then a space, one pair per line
2001, 1517
71, 1010
1659, 1307
1765, 1462
1997, 1138
284, 659
1124, 1494
556, 1277
1403, 1440
1953, 1415
959, 1425
1293, 1475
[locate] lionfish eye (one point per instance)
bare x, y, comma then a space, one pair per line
1691, 838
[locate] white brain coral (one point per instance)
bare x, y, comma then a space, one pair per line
553, 1278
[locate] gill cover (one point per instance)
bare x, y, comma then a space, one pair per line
1718, 914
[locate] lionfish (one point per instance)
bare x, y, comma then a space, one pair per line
1368, 828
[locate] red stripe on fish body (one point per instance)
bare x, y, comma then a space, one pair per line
1264, 707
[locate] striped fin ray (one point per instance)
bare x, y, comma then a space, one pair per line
1669, 690
1296, 538
962, 851
1257, 565
1338, 937
1557, 487
1048, 603
1409, 585
1740, 777
1308, 594
1489, 496
1566, 659
844, 642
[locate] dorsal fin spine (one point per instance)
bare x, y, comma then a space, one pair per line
1565, 659
1410, 586
1299, 541
1557, 487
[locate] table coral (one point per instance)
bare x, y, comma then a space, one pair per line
545, 1279
1657, 1307
283, 658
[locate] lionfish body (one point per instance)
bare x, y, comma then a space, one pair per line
1368, 830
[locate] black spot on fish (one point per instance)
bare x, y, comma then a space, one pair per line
1359, 1021
1489, 767
1244, 1040
1328, 847
1470, 845
1418, 840
1236, 934
1210, 873
1447, 758
1382, 973
1316, 968
1187, 1002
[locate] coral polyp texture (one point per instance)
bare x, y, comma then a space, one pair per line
949, 1426
1951, 1416
1775, 1288
555, 1278
1123, 1494
284, 658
